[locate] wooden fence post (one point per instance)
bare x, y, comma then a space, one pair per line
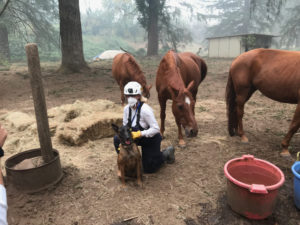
40, 108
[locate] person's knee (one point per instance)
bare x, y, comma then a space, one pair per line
116, 139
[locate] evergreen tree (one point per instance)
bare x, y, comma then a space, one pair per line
243, 16
29, 21
116, 18
162, 24
290, 28
150, 11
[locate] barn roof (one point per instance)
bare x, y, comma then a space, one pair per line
238, 35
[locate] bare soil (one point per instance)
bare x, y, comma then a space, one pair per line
191, 191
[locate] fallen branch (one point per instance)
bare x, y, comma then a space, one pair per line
131, 218
5, 6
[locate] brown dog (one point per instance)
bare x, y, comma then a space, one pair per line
129, 158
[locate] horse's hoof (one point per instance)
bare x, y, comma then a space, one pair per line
244, 139
182, 144
119, 174
285, 153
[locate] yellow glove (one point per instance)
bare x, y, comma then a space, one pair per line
136, 134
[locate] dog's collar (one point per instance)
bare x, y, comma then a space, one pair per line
125, 146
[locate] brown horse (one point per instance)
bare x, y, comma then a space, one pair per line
276, 74
126, 69
178, 78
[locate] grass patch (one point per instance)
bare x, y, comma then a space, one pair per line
202, 109
23, 75
59, 92
279, 115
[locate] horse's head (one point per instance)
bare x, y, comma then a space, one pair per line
183, 109
124, 134
146, 91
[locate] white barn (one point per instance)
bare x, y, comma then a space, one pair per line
233, 46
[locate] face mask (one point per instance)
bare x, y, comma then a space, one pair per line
132, 101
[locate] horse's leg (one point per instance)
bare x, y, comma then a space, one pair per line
180, 136
241, 98
292, 130
122, 94
195, 98
162, 103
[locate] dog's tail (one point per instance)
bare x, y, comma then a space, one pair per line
231, 106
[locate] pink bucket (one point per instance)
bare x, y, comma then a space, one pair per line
252, 186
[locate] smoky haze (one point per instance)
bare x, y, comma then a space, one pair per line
182, 25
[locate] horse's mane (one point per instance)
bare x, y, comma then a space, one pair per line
170, 62
134, 69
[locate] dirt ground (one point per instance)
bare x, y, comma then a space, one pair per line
191, 191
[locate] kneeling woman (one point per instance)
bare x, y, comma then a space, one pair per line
145, 130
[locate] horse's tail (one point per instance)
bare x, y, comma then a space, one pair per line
203, 69
231, 106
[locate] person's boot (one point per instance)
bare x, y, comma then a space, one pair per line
168, 154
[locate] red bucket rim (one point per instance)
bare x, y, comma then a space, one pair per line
244, 185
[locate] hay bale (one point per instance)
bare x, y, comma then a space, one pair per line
92, 127
19, 120
68, 112
82, 121
74, 124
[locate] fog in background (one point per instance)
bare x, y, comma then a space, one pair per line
111, 24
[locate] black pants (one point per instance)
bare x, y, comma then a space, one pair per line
152, 158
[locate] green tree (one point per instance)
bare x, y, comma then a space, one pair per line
161, 22
150, 12
290, 24
28, 22
241, 17
4, 7
173, 30
290, 28
118, 17
4, 46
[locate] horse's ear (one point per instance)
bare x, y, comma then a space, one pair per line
190, 86
149, 86
115, 127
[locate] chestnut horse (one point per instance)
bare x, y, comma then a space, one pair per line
276, 74
126, 69
178, 78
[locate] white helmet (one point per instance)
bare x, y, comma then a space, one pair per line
133, 88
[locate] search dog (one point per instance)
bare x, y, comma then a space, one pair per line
129, 157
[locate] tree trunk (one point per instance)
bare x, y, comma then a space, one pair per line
71, 37
4, 45
153, 28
